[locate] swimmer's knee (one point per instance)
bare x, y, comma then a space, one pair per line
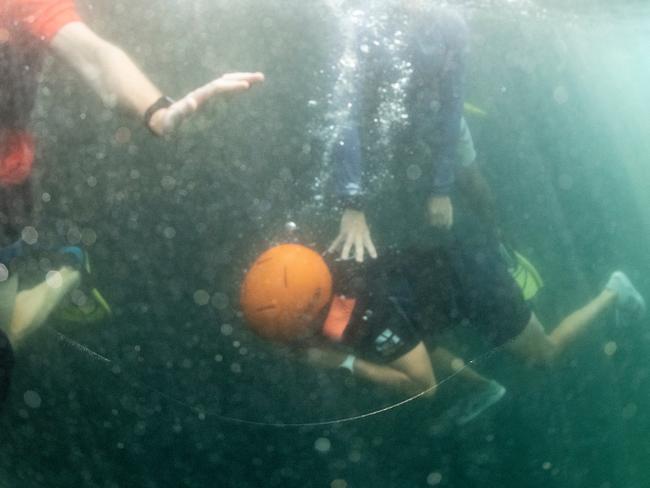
426, 387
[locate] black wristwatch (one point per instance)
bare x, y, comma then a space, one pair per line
162, 102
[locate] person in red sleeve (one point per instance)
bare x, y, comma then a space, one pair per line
30, 29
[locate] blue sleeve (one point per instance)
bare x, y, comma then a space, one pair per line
451, 103
345, 153
347, 158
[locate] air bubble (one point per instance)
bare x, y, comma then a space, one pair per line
323, 445
54, 279
434, 479
201, 297
32, 399
30, 235
610, 348
561, 95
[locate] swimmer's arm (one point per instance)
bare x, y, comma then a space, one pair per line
118, 81
354, 234
108, 69
449, 115
412, 373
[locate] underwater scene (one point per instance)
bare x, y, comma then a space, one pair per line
392, 243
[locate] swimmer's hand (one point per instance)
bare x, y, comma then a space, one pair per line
354, 232
324, 358
441, 212
167, 120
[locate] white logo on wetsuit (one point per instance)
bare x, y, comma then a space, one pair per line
387, 340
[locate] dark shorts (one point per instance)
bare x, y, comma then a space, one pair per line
6, 366
469, 285
16, 211
413, 297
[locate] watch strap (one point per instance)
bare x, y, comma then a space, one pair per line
162, 102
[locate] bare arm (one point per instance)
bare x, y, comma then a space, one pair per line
118, 81
412, 373
108, 69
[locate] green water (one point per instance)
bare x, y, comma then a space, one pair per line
564, 146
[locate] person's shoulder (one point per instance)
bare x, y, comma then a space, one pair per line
447, 21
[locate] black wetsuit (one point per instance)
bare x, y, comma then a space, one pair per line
406, 298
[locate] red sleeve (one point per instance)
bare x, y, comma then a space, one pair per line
44, 18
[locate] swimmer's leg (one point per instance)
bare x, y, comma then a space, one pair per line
537, 347
484, 392
33, 306
450, 364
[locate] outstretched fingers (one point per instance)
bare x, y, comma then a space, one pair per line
349, 240
230, 82
336, 244
190, 103
370, 246
250, 78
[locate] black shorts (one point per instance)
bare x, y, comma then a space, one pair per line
16, 211
6, 366
469, 284
407, 298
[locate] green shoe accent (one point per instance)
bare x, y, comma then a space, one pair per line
89, 306
524, 273
471, 109
93, 309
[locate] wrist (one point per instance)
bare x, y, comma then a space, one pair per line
348, 363
351, 202
155, 114
156, 123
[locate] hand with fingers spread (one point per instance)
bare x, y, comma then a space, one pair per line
166, 120
355, 234
441, 212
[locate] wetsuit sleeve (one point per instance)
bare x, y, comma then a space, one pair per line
347, 159
346, 155
44, 18
451, 103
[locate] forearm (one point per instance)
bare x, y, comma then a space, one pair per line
452, 88
347, 160
108, 69
121, 81
449, 131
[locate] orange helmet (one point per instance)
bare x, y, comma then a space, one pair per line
284, 291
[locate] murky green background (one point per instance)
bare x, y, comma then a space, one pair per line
172, 225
